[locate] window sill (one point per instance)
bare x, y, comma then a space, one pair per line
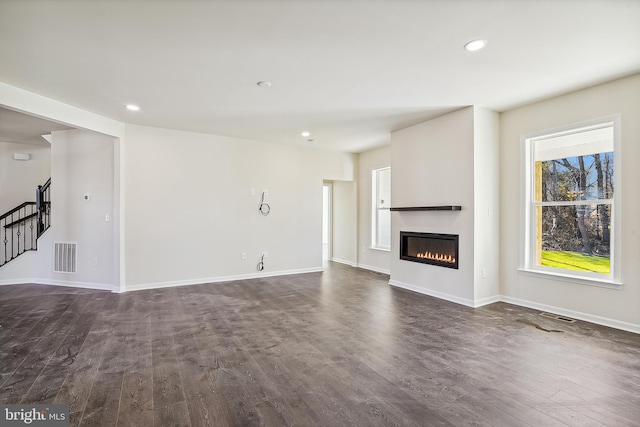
380, 249
581, 280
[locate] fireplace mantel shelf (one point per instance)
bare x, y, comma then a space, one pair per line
427, 208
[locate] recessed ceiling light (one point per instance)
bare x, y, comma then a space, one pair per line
474, 45
264, 84
306, 134
133, 107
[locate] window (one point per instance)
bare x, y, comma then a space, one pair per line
381, 215
571, 202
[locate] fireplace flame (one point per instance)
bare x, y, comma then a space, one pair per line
449, 259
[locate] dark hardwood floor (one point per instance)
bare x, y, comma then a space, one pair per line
338, 348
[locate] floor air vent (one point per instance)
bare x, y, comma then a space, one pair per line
558, 317
65, 256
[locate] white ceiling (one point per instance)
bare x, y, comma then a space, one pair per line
348, 71
21, 128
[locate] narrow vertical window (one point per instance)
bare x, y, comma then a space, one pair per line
381, 215
571, 200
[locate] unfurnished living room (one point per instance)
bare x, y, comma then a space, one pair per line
319, 213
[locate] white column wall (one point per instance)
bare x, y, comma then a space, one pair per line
82, 163
432, 163
486, 181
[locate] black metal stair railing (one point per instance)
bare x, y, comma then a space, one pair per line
21, 226
18, 231
43, 204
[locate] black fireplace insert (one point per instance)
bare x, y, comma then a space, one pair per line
430, 248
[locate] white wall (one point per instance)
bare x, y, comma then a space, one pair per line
189, 214
432, 163
19, 179
619, 308
345, 222
372, 259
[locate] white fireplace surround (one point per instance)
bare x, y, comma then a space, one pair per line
450, 160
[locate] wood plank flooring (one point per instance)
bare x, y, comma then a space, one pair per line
338, 348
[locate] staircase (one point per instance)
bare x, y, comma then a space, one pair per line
21, 227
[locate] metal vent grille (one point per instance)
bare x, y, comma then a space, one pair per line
558, 317
65, 256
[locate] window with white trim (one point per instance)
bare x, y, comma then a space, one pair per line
381, 202
571, 202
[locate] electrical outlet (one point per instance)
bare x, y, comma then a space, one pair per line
95, 262
243, 256
252, 192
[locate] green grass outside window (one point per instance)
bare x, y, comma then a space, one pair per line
576, 261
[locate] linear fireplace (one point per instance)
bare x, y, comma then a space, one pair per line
430, 248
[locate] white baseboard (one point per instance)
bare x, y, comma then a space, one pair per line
364, 266
69, 284
604, 321
231, 278
372, 268
487, 301
344, 261
10, 282
432, 293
